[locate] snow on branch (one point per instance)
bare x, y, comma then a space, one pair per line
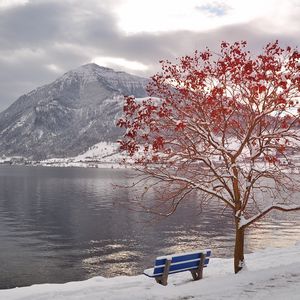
282, 207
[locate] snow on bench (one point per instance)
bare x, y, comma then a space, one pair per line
170, 264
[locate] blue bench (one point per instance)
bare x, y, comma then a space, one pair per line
170, 264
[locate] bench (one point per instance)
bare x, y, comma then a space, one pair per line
170, 264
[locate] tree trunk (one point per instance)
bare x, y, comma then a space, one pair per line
238, 249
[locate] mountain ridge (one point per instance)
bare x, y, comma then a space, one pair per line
69, 115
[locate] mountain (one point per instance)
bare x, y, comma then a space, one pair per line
67, 116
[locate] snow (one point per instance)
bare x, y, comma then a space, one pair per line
284, 207
101, 155
99, 150
92, 72
270, 274
243, 221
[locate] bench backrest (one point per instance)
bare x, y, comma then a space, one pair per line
181, 262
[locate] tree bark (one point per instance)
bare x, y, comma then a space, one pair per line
239, 248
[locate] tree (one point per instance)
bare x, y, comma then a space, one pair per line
223, 125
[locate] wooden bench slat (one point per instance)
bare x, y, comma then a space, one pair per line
183, 256
175, 259
180, 262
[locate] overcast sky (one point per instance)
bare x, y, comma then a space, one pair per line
42, 39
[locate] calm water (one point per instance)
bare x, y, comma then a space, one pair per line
65, 224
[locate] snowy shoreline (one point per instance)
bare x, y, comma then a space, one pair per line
102, 155
271, 274
106, 155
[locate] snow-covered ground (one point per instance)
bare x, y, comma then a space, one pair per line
108, 155
101, 155
271, 274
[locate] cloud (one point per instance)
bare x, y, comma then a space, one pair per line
119, 61
41, 39
32, 25
4, 4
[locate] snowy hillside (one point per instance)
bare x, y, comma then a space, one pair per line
103, 154
273, 274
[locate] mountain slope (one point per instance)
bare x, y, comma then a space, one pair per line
67, 116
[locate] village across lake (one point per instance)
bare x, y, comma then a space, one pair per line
66, 224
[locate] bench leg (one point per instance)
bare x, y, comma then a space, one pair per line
198, 273
163, 279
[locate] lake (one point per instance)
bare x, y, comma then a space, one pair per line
66, 224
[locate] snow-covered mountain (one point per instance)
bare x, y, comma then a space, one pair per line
66, 117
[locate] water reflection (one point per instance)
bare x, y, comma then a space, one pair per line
59, 225
274, 231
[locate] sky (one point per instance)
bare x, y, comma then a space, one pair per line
42, 39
